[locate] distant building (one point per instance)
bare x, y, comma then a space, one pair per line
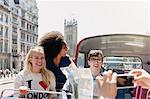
18, 31
70, 35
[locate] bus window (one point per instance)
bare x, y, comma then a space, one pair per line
81, 60
122, 63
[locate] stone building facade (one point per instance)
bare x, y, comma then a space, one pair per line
18, 31
70, 35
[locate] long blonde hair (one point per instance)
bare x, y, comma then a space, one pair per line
47, 76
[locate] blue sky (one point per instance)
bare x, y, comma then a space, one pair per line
95, 17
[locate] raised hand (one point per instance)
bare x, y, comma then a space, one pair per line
107, 85
141, 78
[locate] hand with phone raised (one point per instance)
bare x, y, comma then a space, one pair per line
141, 78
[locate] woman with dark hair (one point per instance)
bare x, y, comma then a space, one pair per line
55, 49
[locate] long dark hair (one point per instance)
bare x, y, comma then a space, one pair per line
52, 43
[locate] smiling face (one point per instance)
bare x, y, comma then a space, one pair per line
37, 61
95, 64
95, 61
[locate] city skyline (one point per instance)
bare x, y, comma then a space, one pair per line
94, 17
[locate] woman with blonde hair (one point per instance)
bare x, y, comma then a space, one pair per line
35, 75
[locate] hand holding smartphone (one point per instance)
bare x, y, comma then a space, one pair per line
125, 81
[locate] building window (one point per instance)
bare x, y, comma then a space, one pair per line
6, 31
23, 36
1, 47
36, 30
36, 39
28, 48
30, 39
14, 50
14, 39
6, 64
27, 38
33, 28
16, 2
30, 28
23, 24
69, 38
23, 47
6, 47
6, 2
33, 39
0, 64
1, 30
1, 16
14, 20
14, 29
23, 13
15, 10
6, 18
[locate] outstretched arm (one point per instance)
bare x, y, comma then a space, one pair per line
141, 78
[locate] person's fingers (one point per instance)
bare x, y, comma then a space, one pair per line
105, 76
139, 83
114, 78
99, 79
138, 78
136, 72
113, 84
109, 75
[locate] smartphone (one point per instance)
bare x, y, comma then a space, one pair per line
125, 81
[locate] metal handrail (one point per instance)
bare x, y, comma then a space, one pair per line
50, 92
